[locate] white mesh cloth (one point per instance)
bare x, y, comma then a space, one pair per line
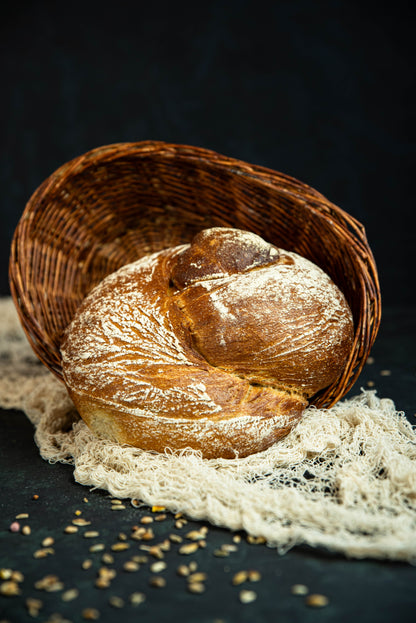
344, 479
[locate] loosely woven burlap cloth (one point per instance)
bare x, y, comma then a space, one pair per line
344, 479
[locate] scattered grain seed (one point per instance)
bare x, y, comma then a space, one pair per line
254, 575
48, 541
131, 566
55, 587
158, 509
157, 567
157, 581
154, 551
81, 522
122, 536
179, 523
107, 558
247, 597
35, 497
9, 588
370, 383
146, 519
98, 547
85, 500
70, 530
202, 544
196, 587
239, 578
188, 548
42, 553
70, 594
220, 553
165, 545
255, 540
370, 360
22, 516
78, 513
33, 606
183, 571
228, 547
161, 517
116, 602
5, 574
26, 530
175, 538
178, 515
120, 547
196, 535
105, 575
17, 576
316, 600
14, 526
135, 503
138, 533
50, 584
299, 589
198, 576
91, 534
87, 563
90, 614
119, 507
137, 598
385, 372
193, 566
237, 538
44, 583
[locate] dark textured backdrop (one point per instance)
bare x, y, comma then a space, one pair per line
321, 90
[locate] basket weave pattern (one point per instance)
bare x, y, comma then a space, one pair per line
117, 203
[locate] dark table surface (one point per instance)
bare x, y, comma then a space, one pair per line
357, 590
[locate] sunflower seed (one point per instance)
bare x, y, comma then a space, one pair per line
137, 598
247, 597
9, 588
70, 594
116, 602
188, 548
131, 566
157, 581
196, 587
90, 614
157, 567
299, 589
316, 600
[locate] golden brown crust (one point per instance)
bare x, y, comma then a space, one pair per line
202, 346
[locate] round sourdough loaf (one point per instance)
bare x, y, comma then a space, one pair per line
216, 345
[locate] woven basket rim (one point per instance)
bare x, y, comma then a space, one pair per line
346, 226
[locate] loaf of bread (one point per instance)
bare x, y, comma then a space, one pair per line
215, 345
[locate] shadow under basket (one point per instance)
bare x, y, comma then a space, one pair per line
116, 203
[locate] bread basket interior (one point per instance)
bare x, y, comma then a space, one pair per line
117, 203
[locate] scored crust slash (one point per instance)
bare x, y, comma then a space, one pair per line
215, 345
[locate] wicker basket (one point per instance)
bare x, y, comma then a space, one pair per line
116, 203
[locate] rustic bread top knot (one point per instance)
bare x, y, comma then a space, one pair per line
222, 251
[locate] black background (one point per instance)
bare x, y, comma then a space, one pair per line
321, 90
